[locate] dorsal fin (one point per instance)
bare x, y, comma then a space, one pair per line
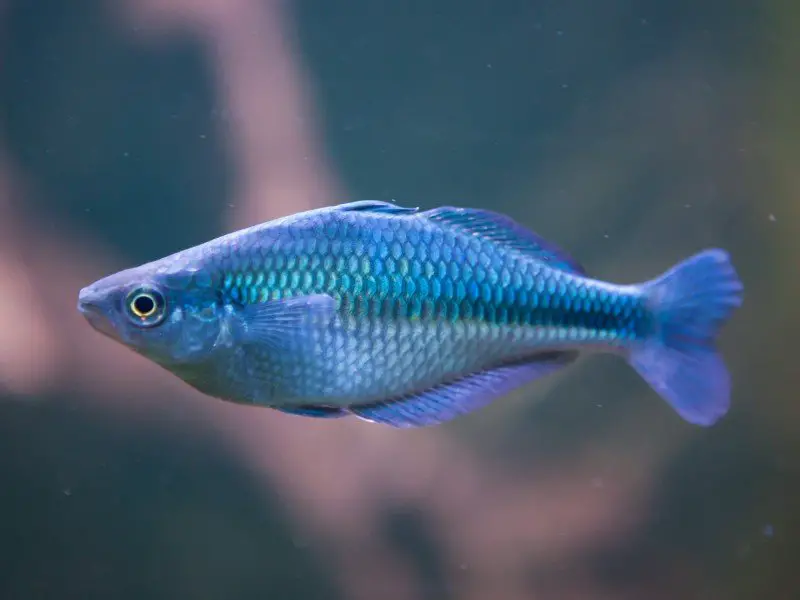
377, 206
503, 229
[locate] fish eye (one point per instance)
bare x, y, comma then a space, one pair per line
146, 307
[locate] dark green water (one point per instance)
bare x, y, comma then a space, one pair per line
631, 133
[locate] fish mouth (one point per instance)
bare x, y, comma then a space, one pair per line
93, 310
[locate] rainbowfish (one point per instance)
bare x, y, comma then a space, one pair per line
408, 317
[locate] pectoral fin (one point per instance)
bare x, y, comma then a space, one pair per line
284, 323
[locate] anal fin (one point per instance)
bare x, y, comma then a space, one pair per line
471, 392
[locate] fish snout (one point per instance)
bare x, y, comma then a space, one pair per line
93, 305
88, 300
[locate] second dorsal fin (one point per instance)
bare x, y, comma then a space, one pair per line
505, 230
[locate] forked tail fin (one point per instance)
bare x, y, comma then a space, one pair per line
690, 303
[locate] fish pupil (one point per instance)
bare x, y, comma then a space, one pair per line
144, 305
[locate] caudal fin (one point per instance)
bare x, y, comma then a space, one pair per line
690, 303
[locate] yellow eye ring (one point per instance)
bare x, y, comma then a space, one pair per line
143, 305
146, 307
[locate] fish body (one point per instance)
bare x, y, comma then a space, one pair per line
409, 317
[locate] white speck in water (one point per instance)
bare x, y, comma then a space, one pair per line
564, 85
772, 217
605, 235
126, 154
768, 530
559, 32
463, 566
599, 405
597, 482
687, 206
203, 136
67, 492
489, 65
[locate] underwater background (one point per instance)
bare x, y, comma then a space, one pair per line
630, 133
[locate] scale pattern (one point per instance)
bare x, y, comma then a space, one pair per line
417, 302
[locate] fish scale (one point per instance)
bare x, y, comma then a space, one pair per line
538, 297
400, 282
410, 317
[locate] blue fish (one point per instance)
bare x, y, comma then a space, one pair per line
410, 317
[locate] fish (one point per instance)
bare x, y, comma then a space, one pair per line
411, 317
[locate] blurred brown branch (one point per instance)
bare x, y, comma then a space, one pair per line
271, 130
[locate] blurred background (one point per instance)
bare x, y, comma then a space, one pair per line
632, 133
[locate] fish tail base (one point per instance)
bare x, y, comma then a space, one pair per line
690, 303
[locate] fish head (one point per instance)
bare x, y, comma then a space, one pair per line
171, 314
